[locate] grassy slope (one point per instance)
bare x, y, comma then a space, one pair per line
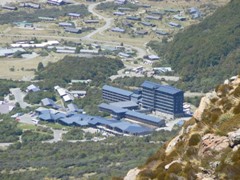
208, 53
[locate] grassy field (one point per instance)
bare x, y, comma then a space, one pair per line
23, 67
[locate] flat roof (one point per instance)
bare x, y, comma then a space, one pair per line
161, 88
124, 104
144, 116
112, 108
117, 90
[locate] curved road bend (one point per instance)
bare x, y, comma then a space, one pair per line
91, 8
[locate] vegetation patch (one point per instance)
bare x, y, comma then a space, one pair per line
31, 136
9, 131
32, 16
203, 62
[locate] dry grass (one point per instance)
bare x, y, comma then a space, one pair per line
23, 66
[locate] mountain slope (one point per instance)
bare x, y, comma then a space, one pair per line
207, 53
208, 145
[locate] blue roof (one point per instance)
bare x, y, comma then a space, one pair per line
45, 115
47, 102
68, 120
72, 107
130, 127
112, 108
136, 95
136, 130
144, 116
150, 85
161, 88
117, 90
124, 104
58, 116
101, 121
169, 90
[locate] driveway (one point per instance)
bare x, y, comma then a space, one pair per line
19, 97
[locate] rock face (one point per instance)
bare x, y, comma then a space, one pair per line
234, 138
203, 105
211, 142
132, 174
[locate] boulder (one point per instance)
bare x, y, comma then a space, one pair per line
234, 138
211, 142
132, 174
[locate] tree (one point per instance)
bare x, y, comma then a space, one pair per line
40, 66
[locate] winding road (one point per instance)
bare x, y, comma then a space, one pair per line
108, 24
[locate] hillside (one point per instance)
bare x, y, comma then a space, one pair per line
208, 144
207, 53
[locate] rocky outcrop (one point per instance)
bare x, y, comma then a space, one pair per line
234, 138
205, 102
175, 161
211, 142
132, 174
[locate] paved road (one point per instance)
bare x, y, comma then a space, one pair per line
19, 97
108, 21
57, 136
108, 24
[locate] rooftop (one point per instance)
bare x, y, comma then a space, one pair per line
115, 109
162, 88
117, 90
124, 104
144, 116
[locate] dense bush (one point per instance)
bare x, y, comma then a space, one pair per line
36, 97
194, 140
207, 53
74, 134
98, 69
111, 157
9, 132
5, 85
30, 136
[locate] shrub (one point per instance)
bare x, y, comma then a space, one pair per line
194, 140
236, 109
175, 168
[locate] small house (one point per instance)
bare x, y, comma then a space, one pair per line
173, 24
124, 55
65, 24
160, 32
72, 30
141, 32
179, 18
56, 2
147, 24
153, 57
120, 1
32, 88
30, 5
154, 17
12, 8
91, 21
134, 18
74, 15
47, 18
117, 29
118, 13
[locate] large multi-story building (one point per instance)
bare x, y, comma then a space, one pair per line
113, 94
166, 99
